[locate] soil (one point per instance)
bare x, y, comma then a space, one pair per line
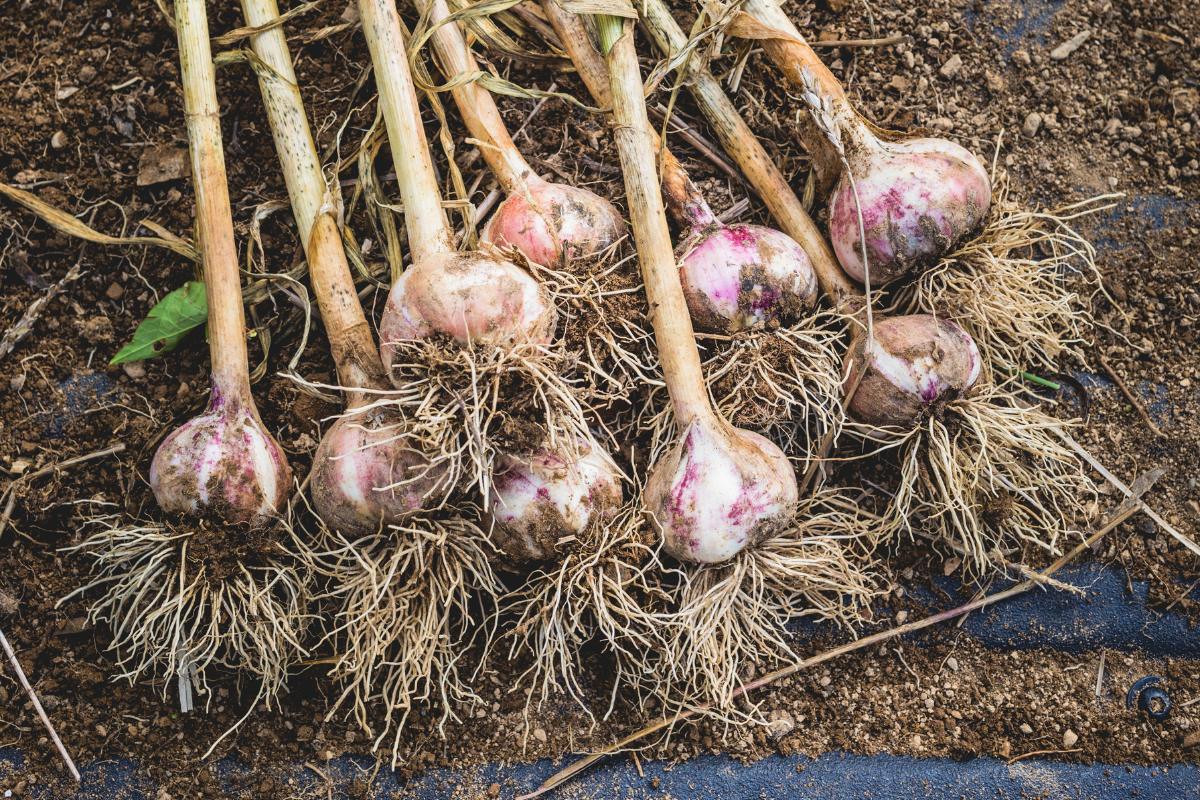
91, 122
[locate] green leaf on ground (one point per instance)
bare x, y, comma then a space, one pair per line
166, 324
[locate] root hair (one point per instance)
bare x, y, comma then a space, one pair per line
470, 403
598, 591
785, 383
734, 617
1010, 287
400, 605
171, 617
988, 477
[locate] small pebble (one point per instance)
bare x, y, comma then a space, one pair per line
539, 734
1070, 45
1033, 123
952, 663
1026, 729
59, 140
134, 369
115, 291
778, 728
1070, 737
952, 66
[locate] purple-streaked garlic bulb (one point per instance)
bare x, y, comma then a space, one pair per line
366, 475
744, 277
549, 223
914, 363
541, 499
719, 490
553, 224
468, 297
919, 198
222, 463
735, 277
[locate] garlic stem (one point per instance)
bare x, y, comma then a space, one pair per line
350, 339
476, 104
214, 217
668, 308
424, 218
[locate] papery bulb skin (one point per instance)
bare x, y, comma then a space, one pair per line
223, 464
744, 277
468, 297
553, 224
719, 490
367, 475
915, 363
542, 498
919, 198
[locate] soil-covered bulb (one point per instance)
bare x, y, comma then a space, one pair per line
543, 498
470, 297
744, 277
367, 475
552, 224
222, 463
913, 364
918, 197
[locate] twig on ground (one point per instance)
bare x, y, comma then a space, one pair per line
1125, 490
24, 326
1033, 753
881, 42
37, 706
1183, 595
1129, 506
1033, 575
9, 496
1130, 396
